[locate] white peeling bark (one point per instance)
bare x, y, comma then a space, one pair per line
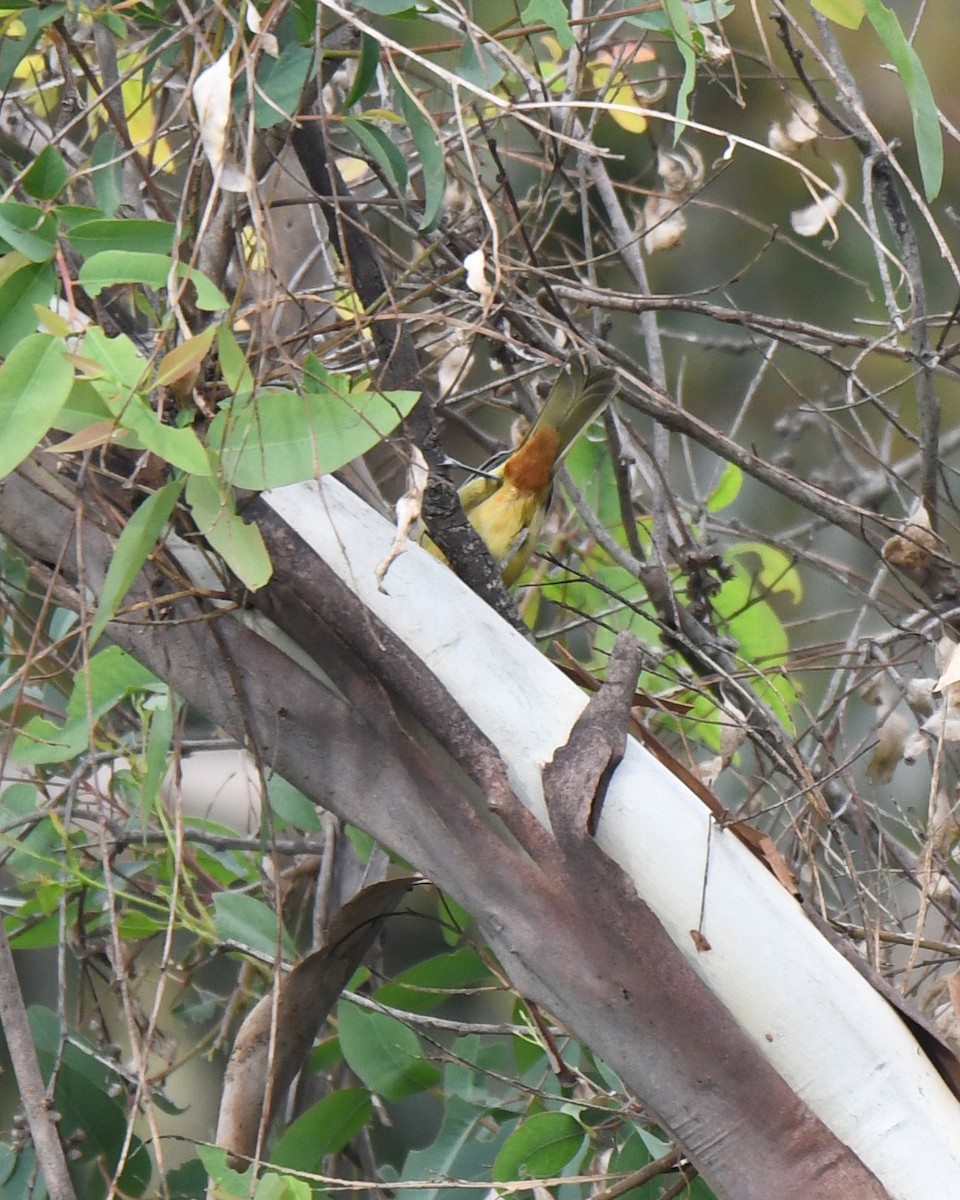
836, 1042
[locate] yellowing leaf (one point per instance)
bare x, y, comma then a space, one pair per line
777, 571
31, 67
727, 490
97, 434
142, 124
631, 122
848, 13
185, 358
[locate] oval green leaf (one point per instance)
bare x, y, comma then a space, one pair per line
139, 536
430, 152
239, 543
94, 237
541, 1147
280, 437
20, 291
47, 175
35, 382
28, 229
325, 1128
384, 1053
250, 922
111, 267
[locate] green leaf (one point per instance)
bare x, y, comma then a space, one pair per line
239, 543
247, 920
380, 148
923, 107
28, 229
35, 935
31, 851
702, 12
683, 38
478, 66
179, 447
123, 370
280, 437
761, 638
72, 215
229, 1183
274, 1186
629, 1158
390, 8
85, 1101
162, 711
20, 291
134, 545
430, 151
423, 986
727, 490
367, 63
135, 923
280, 84
233, 364
325, 1128
848, 13
84, 407
47, 176
106, 172
35, 382
384, 1052
461, 1150
122, 362
291, 806
112, 676
188, 1181
111, 267
152, 237
541, 1146
553, 13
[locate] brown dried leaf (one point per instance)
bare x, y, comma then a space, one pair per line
916, 546
304, 999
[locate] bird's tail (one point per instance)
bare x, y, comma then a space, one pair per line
575, 401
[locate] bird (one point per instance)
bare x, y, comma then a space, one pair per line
506, 500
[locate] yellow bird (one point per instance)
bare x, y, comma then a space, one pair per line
507, 502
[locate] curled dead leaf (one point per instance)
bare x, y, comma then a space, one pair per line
888, 752
919, 695
663, 222
809, 221
212, 92
475, 264
409, 507
802, 127
258, 1073
950, 675
916, 546
450, 366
